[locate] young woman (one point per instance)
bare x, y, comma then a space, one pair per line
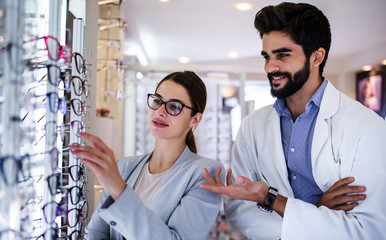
157, 196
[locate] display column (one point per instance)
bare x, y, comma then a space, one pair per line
78, 110
52, 116
10, 199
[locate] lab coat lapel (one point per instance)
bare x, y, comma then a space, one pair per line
276, 147
328, 108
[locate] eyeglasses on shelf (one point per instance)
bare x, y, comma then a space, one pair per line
55, 51
11, 167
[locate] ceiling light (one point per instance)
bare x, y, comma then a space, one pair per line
383, 62
367, 68
139, 75
163, 0
134, 50
233, 54
243, 6
183, 59
116, 2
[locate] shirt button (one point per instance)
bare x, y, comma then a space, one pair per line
112, 223
292, 149
294, 177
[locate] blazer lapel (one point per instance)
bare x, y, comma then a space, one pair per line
172, 172
133, 173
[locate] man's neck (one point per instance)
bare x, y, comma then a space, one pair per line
296, 103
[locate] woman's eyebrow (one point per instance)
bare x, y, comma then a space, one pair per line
176, 100
172, 99
158, 95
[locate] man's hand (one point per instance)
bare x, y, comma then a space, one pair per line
245, 190
339, 197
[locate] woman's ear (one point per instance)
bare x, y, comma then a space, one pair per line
318, 56
195, 120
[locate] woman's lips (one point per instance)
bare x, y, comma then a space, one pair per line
159, 123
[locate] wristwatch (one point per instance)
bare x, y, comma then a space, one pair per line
266, 206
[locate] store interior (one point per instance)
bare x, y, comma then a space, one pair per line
69, 66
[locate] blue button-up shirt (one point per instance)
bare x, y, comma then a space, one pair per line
297, 142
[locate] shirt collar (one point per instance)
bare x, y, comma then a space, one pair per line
316, 99
318, 95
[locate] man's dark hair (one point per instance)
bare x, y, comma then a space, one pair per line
304, 23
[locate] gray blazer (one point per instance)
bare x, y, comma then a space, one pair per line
178, 209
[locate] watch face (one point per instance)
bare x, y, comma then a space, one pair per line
272, 190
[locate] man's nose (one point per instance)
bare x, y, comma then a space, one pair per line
271, 66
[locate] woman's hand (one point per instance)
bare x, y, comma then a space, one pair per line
341, 196
100, 159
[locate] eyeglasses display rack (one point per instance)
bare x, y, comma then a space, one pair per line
10, 199
43, 94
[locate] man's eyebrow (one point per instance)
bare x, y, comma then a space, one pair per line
280, 50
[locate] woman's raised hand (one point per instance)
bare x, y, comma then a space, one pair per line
100, 159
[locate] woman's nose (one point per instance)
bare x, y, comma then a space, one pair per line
162, 110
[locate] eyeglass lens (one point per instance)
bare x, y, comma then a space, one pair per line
172, 107
79, 63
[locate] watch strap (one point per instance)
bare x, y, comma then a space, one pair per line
266, 206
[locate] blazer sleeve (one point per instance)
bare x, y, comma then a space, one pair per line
244, 215
97, 228
191, 219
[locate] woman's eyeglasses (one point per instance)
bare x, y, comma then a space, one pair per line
172, 107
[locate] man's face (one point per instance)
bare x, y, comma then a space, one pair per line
285, 63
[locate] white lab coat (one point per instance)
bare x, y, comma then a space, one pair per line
349, 140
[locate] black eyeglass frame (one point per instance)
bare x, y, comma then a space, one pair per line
150, 95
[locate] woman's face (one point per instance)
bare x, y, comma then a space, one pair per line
165, 126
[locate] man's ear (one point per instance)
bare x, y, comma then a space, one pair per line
195, 120
318, 57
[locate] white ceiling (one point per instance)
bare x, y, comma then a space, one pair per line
206, 30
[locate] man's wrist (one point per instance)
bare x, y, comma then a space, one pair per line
269, 200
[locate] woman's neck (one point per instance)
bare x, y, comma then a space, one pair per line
165, 154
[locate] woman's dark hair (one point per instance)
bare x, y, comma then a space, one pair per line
305, 24
197, 94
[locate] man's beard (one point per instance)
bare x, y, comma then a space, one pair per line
293, 84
